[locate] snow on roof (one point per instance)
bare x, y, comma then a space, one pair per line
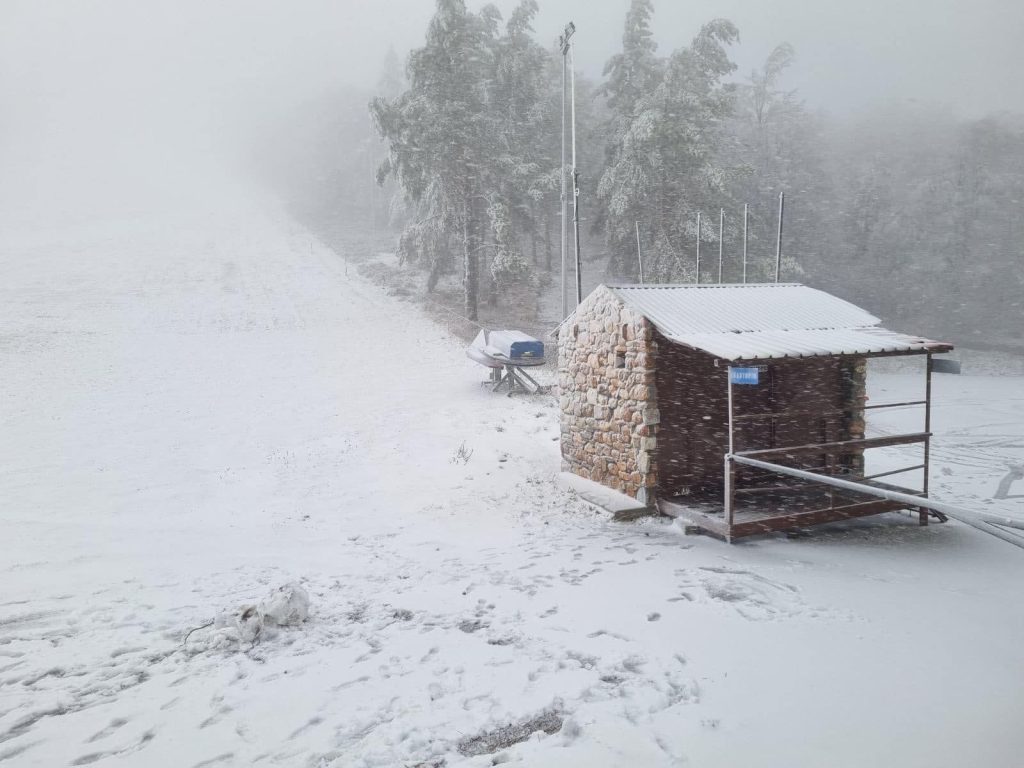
755, 321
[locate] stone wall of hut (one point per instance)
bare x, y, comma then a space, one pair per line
608, 398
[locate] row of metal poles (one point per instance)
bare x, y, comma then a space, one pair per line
566, 47
721, 243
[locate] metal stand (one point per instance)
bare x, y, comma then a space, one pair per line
513, 376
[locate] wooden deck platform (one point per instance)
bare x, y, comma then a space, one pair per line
774, 510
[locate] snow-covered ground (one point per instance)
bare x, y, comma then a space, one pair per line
199, 405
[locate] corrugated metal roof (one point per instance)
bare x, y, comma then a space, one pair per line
758, 321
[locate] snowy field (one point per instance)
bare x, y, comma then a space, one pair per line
198, 405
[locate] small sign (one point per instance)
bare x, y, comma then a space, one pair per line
743, 375
939, 365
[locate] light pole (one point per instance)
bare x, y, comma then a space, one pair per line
565, 41
565, 46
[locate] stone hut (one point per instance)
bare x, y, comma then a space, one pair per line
659, 384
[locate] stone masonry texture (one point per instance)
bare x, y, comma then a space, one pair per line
607, 395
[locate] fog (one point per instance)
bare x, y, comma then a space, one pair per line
111, 78
324, 441
114, 101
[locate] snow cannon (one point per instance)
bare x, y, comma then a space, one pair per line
516, 345
507, 353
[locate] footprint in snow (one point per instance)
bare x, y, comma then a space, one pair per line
606, 633
752, 596
115, 724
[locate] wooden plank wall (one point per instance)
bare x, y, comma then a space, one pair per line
827, 393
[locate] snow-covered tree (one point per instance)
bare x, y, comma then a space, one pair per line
637, 70
469, 143
666, 130
517, 100
392, 79
439, 135
778, 143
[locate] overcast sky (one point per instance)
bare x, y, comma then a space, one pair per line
124, 67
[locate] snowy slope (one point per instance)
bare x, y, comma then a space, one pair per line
199, 405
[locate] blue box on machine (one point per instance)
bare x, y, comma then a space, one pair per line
516, 344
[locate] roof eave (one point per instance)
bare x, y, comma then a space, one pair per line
931, 349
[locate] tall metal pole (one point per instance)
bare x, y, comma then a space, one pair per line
575, 172
729, 469
696, 277
721, 240
565, 201
927, 432
778, 245
729, 397
744, 242
639, 255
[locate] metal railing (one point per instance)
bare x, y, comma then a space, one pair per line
989, 523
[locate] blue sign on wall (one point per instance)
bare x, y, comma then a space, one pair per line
743, 375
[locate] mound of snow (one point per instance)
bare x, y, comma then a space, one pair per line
286, 606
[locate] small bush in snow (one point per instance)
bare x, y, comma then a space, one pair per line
462, 455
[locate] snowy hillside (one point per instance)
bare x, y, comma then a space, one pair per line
199, 405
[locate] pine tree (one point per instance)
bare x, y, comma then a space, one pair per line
518, 92
636, 70
389, 206
439, 138
663, 155
392, 79
467, 144
779, 145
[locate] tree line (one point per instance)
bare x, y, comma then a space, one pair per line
907, 209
